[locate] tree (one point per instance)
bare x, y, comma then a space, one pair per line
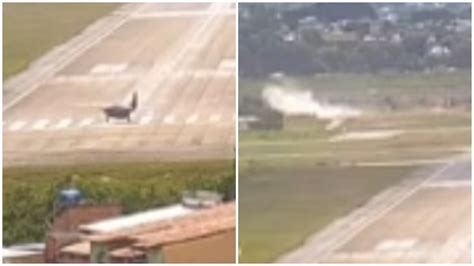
432, 15
415, 44
461, 55
312, 38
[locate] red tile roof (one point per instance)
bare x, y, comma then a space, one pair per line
206, 222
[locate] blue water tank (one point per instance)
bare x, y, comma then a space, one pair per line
70, 197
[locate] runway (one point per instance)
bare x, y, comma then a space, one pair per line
179, 58
426, 219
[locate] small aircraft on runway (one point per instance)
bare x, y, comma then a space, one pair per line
120, 111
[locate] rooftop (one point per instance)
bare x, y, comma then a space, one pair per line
205, 222
154, 228
23, 250
136, 220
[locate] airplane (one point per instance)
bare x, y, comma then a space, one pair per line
121, 112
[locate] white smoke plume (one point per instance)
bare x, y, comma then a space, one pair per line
296, 102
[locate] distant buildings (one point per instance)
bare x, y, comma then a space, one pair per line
439, 50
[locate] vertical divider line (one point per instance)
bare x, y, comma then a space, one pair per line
236, 121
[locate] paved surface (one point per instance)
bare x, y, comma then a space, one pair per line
426, 219
180, 58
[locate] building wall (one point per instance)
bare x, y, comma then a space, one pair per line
64, 230
216, 248
64, 258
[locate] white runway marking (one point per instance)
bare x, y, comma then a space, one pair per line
171, 14
200, 32
70, 51
366, 135
41, 124
449, 184
63, 123
17, 125
396, 244
192, 119
93, 78
146, 119
314, 249
86, 122
228, 63
169, 119
108, 68
215, 118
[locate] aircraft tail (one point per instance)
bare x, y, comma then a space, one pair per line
134, 103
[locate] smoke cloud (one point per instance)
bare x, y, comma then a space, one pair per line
296, 102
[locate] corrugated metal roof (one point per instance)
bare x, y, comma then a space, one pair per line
23, 250
15, 253
136, 220
150, 231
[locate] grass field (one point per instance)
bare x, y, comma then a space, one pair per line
293, 182
424, 136
29, 192
31, 29
280, 207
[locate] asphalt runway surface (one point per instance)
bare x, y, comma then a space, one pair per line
425, 219
179, 58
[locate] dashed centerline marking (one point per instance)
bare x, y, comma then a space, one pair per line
192, 119
17, 125
63, 123
449, 184
41, 124
86, 122
169, 119
396, 244
146, 119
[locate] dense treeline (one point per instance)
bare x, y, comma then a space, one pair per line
302, 39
